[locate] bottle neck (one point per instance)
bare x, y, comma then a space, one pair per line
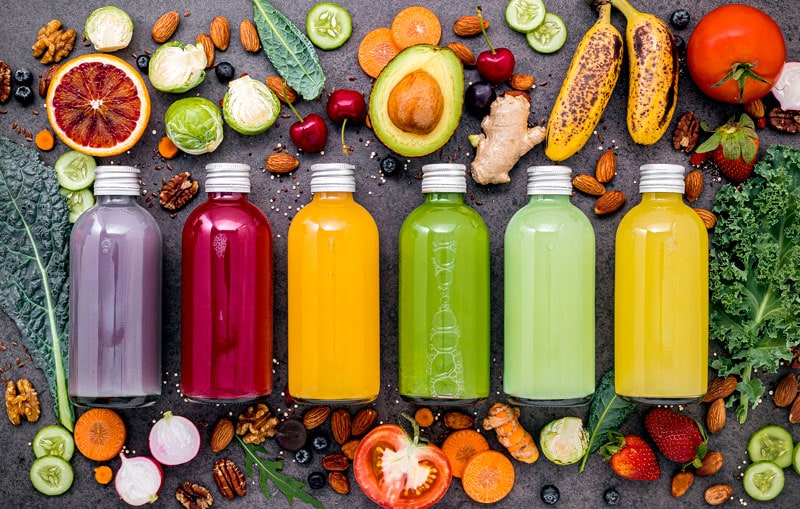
662, 197
444, 197
227, 196
116, 199
557, 198
333, 196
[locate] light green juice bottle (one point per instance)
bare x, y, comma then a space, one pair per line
443, 314
549, 296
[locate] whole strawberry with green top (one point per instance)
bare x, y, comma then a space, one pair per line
733, 147
631, 457
679, 437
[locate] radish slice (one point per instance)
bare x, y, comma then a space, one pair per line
787, 88
174, 439
138, 480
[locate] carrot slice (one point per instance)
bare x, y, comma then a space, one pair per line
167, 148
103, 474
45, 140
99, 434
460, 446
488, 477
416, 25
424, 416
376, 50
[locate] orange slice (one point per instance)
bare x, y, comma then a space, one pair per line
98, 104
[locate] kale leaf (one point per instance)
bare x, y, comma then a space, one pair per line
607, 413
753, 273
34, 250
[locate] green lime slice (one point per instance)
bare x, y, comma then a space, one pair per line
763, 480
328, 25
77, 202
75, 170
549, 36
771, 443
51, 475
53, 440
525, 15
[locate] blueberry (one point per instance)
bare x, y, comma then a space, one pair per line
389, 165
224, 72
550, 494
302, 456
143, 62
611, 496
24, 95
23, 76
319, 443
679, 18
316, 480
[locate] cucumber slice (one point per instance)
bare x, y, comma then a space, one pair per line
549, 36
53, 440
763, 480
75, 170
51, 475
771, 443
328, 25
525, 15
796, 458
77, 202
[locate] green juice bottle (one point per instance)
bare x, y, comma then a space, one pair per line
443, 315
549, 296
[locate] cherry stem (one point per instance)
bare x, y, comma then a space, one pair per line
483, 31
345, 148
289, 103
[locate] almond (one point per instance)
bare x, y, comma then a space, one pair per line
349, 448
785, 391
314, 417
694, 185
222, 435
284, 92
681, 482
467, 26
208, 48
720, 388
712, 462
610, 202
716, 416
755, 109
341, 426
363, 421
521, 81
794, 412
606, 167
220, 32
458, 420
248, 34
718, 494
588, 184
339, 483
165, 26
463, 53
708, 217
282, 162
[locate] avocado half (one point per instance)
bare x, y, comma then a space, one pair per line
442, 77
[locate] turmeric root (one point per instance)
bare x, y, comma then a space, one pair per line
506, 139
504, 419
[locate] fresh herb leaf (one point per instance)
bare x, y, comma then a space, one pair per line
753, 273
607, 413
271, 471
289, 50
34, 248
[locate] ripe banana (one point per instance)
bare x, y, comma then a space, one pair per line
653, 68
586, 89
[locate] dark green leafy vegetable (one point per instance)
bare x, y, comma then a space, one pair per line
271, 471
289, 50
753, 273
34, 246
607, 413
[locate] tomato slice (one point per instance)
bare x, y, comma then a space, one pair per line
398, 471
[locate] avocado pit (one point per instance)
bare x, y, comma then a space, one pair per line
416, 103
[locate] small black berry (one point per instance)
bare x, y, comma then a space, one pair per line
611, 496
143, 62
302, 456
680, 18
24, 95
316, 480
224, 71
23, 76
550, 494
389, 165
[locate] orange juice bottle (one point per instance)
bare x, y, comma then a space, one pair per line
661, 294
333, 315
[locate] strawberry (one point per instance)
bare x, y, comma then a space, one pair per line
733, 147
631, 457
679, 437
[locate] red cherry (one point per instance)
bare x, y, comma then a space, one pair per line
497, 65
344, 105
310, 134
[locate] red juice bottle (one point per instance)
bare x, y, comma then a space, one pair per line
226, 316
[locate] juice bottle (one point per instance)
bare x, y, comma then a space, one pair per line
226, 293
549, 296
115, 297
443, 313
661, 294
333, 294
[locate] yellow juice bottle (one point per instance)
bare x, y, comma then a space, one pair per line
333, 294
661, 294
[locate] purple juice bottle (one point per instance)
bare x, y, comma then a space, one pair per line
115, 297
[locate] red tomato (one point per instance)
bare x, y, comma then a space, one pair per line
397, 471
736, 39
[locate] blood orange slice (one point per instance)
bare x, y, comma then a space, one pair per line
98, 104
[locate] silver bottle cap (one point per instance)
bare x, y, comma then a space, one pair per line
661, 178
549, 180
444, 178
331, 177
117, 180
227, 178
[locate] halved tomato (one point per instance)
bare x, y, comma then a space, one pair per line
399, 471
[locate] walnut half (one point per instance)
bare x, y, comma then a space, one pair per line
22, 400
53, 43
256, 425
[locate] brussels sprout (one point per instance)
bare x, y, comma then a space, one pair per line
249, 106
564, 441
109, 29
194, 124
177, 67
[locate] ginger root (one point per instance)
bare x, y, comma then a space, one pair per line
506, 139
504, 419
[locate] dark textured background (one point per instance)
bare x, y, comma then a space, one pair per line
389, 200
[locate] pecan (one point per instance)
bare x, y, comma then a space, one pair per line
194, 496
784, 120
53, 43
687, 133
256, 424
230, 480
44, 81
22, 400
335, 462
5, 82
363, 421
178, 191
